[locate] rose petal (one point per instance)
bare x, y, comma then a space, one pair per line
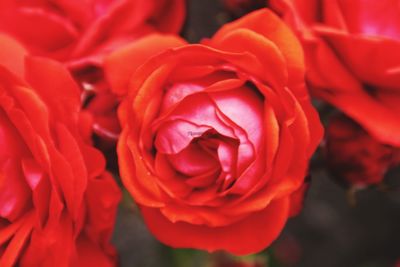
119, 73
14, 191
369, 49
366, 17
266, 225
12, 55
193, 160
266, 23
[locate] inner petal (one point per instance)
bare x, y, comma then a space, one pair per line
244, 106
190, 83
227, 155
193, 116
175, 135
194, 160
177, 92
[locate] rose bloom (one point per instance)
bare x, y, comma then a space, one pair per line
216, 137
78, 32
353, 156
57, 203
81, 33
351, 49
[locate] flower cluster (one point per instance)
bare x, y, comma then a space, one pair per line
214, 139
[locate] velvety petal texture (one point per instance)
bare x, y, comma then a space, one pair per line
216, 136
352, 60
57, 202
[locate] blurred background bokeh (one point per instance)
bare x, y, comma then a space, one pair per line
329, 232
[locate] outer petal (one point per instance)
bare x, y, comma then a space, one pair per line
12, 55
15, 246
169, 15
41, 31
128, 170
373, 18
369, 112
305, 10
250, 235
60, 93
120, 65
373, 61
244, 40
269, 25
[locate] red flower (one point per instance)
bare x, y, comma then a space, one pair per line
354, 157
216, 136
78, 32
351, 49
57, 203
81, 33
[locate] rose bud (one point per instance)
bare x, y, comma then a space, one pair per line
216, 137
57, 202
354, 157
81, 33
241, 7
351, 49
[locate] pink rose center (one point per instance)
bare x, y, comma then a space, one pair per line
209, 138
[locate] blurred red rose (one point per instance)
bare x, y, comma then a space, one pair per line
78, 32
353, 156
57, 203
351, 49
81, 33
216, 137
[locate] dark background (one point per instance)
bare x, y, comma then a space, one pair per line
327, 233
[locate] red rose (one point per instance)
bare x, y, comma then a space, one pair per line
81, 33
57, 203
353, 156
216, 137
351, 49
